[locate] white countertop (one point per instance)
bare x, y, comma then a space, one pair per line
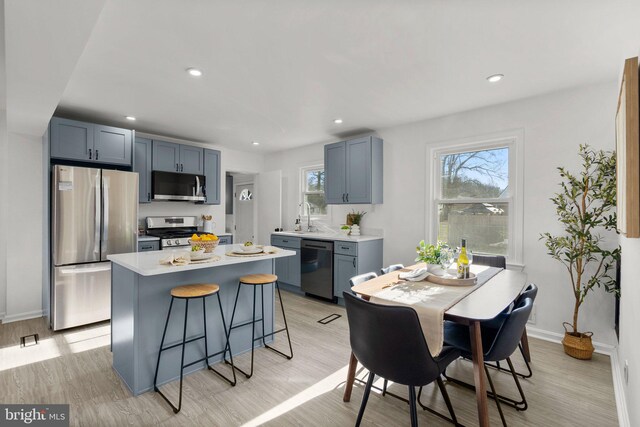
148, 263
327, 236
146, 238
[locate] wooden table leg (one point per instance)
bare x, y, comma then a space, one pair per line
479, 379
351, 377
525, 346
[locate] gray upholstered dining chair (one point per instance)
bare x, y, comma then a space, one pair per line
392, 267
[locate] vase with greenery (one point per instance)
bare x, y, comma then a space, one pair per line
437, 257
355, 217
585, 207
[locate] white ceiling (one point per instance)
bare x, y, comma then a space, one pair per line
279, 72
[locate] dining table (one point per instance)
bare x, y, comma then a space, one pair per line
483, 303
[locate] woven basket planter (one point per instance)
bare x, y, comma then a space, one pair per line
207, 245
577, 345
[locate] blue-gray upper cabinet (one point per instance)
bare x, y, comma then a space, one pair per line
112, 145
212, 177
166, 156
191, 159
71, 139
142, 165
88, 142
335, 167
172, 157
353, 171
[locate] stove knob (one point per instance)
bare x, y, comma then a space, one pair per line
169, 243
177, 242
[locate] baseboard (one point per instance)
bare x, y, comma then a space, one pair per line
22, 316
616, 373
618, 387
2, 314
599, 347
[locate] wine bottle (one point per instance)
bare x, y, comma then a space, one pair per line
463, 261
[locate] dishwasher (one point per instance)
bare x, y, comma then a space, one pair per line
316, 268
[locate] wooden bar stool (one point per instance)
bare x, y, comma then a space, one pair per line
188, 293
260, 280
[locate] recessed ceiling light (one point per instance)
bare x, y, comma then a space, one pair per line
337, 121
255, 143
194, 72
133, 119
495, 78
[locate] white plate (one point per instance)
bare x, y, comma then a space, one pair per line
197, 256
253, 251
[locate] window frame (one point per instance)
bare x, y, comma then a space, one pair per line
514, 141
303, 192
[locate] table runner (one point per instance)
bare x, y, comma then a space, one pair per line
430, 301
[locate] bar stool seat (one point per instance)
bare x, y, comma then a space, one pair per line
194, 291
188, 293
258, 279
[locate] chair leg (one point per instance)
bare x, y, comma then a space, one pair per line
447, 400
164, 333
493, 390
365, 398
384, 387
523, 402
412, 406
226, 347
286, 328
233, 315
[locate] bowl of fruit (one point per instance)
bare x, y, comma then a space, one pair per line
208, 242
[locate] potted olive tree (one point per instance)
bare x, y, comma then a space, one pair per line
586, 208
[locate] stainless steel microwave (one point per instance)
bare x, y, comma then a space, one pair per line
177, 186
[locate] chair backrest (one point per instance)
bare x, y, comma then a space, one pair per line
392, 267
507, 339
490, 260
356, 280
389, 342
530, 292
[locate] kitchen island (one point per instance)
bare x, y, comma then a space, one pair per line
140, 297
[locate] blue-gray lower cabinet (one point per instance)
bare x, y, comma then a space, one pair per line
212, 177
344, 268
225, 240
354, 258
142, 165
145, 245
288, 269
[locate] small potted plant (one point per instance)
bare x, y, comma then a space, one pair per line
345, 229
585, 207
355, 217
437, 257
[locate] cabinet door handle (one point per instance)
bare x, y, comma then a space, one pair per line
147, 247
177, 167
89, 153
343, 198
181, 167
347, 197
96, 154
344, 247
354, 263
148, 197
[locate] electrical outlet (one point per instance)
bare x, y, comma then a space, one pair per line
532, 315
626, 372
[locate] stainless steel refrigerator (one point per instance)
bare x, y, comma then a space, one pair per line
94, 214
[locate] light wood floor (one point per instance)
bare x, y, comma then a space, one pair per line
75, 367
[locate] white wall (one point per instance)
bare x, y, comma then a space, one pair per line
554, 125
3, 213
231, 160
24, 204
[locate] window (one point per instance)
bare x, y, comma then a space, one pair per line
313, 191
475, 196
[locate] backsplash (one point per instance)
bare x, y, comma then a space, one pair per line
183, 209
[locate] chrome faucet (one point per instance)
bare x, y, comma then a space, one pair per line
309, 227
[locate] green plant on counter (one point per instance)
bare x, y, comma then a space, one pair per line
345, 227
356, 216
438, 254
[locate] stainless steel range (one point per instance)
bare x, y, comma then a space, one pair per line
173, 231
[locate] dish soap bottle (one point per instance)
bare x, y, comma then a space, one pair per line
298, 226
463, 261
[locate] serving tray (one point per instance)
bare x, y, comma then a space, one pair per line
450, 280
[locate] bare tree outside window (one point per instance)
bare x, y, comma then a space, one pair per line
313, 191
474, 203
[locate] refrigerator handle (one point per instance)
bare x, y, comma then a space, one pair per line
105, 218
98, 214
